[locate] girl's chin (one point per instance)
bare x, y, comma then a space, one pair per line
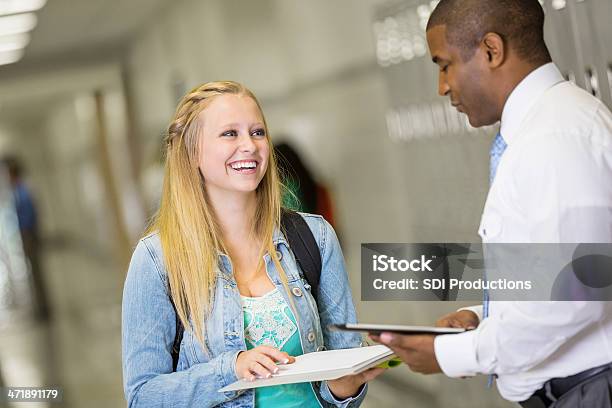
240, 189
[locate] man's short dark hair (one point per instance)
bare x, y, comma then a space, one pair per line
520, 23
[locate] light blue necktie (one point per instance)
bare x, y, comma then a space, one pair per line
497, 150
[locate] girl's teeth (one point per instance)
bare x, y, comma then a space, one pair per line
244, 165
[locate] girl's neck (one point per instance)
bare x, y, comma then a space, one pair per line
235, 213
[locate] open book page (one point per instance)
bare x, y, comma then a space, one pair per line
320, 366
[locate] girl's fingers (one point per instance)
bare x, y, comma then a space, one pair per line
261, 362
259, 370
248, 375
267, 363
276, 354
372, 373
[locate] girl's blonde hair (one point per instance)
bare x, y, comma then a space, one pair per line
190, 235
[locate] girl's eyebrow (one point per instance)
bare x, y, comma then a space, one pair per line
227, 125
235, 125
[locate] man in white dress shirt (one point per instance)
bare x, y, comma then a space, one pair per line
551, 182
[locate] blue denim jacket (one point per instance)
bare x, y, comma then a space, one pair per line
148, 327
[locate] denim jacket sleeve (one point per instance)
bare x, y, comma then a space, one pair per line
148, 330
335, 304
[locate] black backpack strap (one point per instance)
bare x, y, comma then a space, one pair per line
178, 336
304, 247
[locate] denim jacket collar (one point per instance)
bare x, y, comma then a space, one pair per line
277, 238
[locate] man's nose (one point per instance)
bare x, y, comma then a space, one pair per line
443, 88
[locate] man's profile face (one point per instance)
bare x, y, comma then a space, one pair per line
466, 83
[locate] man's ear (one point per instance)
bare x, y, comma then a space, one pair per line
495, 49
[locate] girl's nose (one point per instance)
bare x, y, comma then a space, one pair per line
246, 144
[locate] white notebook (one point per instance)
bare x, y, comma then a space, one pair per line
319, 366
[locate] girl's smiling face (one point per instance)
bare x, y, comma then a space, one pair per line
234, 146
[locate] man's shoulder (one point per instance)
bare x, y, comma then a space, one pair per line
569, 104
566, 109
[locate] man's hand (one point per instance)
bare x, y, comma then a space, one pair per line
417, 351
465, 319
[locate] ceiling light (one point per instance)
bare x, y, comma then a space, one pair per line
14, 42
558, 4
20, 6
17, 24
9, 57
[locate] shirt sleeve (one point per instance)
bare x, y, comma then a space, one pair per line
334, 297
148, 330
354, 401
522, 337
562, 188
563, 192
477, 310
335, 304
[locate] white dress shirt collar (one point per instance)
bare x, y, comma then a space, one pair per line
522, 98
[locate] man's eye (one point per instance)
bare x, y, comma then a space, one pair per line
259, 133
444, 68
229, 133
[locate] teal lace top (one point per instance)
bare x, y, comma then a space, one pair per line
268, 320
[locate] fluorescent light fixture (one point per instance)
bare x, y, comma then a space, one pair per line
9, 57
20, 6
558, 4
17, 24
14, 42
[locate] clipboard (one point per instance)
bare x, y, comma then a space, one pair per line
399, 329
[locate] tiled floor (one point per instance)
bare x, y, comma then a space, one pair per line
79, 350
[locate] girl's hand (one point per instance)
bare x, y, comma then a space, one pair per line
348, 386
260, 361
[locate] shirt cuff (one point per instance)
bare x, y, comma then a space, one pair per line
226, 371
456, 354
327, 395
475, 309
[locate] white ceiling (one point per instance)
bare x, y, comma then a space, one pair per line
69, 33
73, 26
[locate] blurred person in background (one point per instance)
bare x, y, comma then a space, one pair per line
215, 260
27, 218
303, 193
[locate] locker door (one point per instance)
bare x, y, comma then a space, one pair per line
600, 15
579, 34
559, 34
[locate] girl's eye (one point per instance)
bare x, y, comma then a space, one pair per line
229, 133
259, 133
